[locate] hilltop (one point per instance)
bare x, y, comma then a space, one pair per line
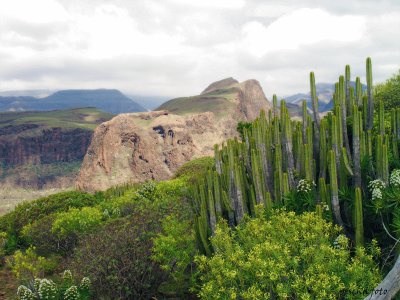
152, 145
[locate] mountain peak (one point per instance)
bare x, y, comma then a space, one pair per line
220, 84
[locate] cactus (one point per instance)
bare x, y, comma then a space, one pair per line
358, 92
348, 92
370, 107
275, 105
334, 188
314, 99
343, 108
287, 143
358, 218
381, 118
356, 147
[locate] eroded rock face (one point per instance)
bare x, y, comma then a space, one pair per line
143, 146
139, 147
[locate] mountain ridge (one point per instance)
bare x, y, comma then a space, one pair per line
109, 100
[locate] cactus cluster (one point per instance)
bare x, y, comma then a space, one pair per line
278, 156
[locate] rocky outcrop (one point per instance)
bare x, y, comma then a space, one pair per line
143, 146
139, 147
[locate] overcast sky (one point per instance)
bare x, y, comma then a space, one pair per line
177, 47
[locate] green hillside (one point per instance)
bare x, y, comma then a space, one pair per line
84, 118
219, 102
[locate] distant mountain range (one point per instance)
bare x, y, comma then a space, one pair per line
324, 92
108, 100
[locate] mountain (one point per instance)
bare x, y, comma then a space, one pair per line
137, 147
224, 98
148, 102
111, 101
45, 148
324, 93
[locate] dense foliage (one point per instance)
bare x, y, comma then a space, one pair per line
285, 256
389, 92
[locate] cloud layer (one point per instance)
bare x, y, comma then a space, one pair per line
177, 47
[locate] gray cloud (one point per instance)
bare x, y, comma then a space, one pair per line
176, 48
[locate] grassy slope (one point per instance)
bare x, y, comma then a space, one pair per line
84, 118
217, 101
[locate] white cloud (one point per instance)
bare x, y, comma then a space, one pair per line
177, 47
301, 27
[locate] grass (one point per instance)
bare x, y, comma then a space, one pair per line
218, 101
84, 118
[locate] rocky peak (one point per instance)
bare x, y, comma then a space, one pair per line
224, 83
252, 99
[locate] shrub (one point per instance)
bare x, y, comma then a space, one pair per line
117, 256
285, 257
40, 235
28, 212
76, 221
28, 266
194, 167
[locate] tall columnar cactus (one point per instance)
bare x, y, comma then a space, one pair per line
305, 119
275, 105
356, 147
381, 118
370, 119
348, 93
358, 218
314, 99
334, 188
358, 91
323, 149
287, 143
343, 106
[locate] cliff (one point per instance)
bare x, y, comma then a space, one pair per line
144, 146
39, 148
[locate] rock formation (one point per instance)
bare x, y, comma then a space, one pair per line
142, 146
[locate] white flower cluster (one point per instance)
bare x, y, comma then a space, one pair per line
71, 293
47, 289
85, 283
395, 178
67, 276
24, 293
376, 186
305, 186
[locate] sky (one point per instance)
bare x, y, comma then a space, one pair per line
174, 48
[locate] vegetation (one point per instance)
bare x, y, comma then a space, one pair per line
84, 118
389, 92
275, 257
255, 222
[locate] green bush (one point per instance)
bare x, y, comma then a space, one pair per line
285, 257
40, 235
29, 212
194, 167
117, 257
76, 221
27, 265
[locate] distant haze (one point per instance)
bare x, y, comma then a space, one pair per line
174, 48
